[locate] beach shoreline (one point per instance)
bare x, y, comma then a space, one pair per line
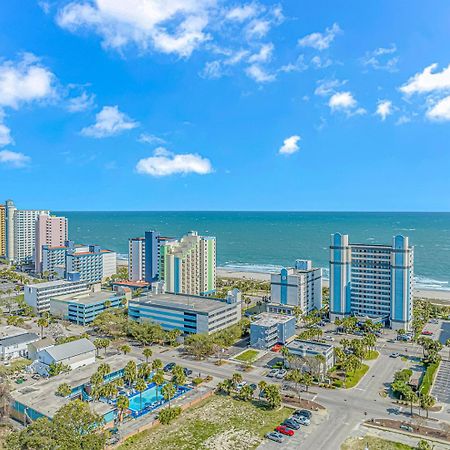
428, 294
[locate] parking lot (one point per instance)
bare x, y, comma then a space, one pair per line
300, 438
441, 386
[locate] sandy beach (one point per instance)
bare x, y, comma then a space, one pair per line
440, 296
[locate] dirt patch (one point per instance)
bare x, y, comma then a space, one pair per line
302, 403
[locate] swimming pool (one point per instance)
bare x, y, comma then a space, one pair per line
151, 395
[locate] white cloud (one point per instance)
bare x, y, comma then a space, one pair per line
259, 74
14, 159
164, 163
150, 139
381, 58
212, 70
428, 81
109, 121
297, 66
402, 120
345, 102
168, 26
5, 132
327, 87
264, 54
321, 63
81, 103
440, 111
25, 81
384, 108
320, 41
258, 28
242, 13
290, 145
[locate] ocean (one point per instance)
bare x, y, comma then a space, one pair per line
261, 241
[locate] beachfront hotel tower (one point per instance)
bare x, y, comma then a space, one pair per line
299, 286
188, 265
50, 231
2, 230
372, 280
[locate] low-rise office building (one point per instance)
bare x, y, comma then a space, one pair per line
83, 307
38, 295
14, 342
270, 329
305, 349
188, 313
299, 286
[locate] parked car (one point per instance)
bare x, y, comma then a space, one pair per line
187, 371
285, 430
394, 355
291, 424
427, 333
239, 386
281, 374
253, 387
275, 436
303, 412
169, 367
273, 373
302, 420
329, 338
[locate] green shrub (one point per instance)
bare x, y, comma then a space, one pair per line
197, 380
428, 377
166, 415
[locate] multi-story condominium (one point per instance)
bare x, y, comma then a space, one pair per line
82, 308
2, 230
188, 313
298, 286
374, 281
38, 295
10, 209
93, 263
271, 329
20, 232
188, 265
51, 231
144, 256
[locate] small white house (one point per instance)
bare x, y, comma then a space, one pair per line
14, 342
73, 354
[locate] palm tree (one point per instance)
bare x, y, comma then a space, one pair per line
43, 323
157, 364
168, 392
411, 397
107, 304
158, 379
147, 352
140, 386
123, 403
104, 369
129, 372
125, 349
236, 379
64, 390
322, 364
178, 376
261, 386
144, 370
98, 344
426, 402
307, 380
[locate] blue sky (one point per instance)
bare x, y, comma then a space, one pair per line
225, 105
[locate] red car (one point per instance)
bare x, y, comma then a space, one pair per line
427, 333
284, 430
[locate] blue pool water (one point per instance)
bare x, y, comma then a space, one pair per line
150, 395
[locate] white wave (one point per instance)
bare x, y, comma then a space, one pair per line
247, 267
122, 256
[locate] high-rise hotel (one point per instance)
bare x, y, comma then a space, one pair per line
375, 281
186, 265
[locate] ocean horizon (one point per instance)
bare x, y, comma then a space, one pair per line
261, 241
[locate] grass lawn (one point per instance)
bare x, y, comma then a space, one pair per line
373, 443
247, 356
371, 354
353, 378
217, 422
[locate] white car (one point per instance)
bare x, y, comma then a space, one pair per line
240, 385
329, 338
281, 374
273, 373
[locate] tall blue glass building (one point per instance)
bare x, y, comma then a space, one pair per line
374, 281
